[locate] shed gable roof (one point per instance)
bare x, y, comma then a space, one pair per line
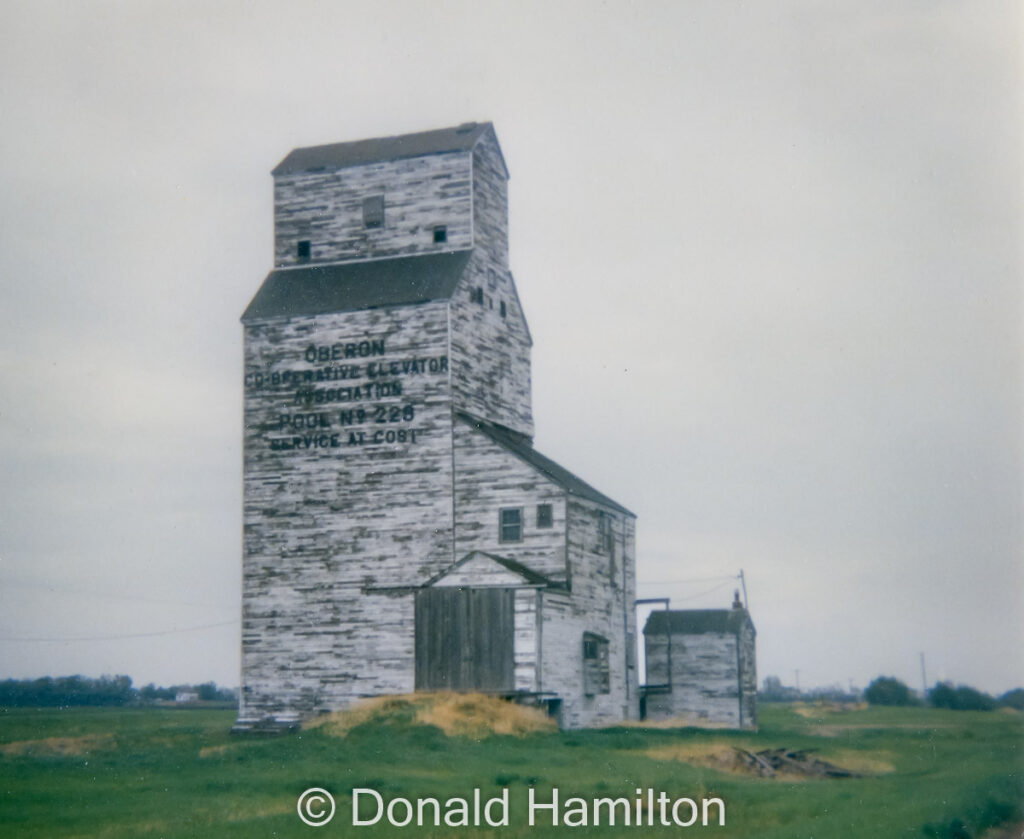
360, 152
696, 621
519, 445
348, 286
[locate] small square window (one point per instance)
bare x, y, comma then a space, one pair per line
544, 517
480, 295
510, 525
440, 234
373, 211
504, 310
303, 249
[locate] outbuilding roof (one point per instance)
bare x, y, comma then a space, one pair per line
348, 286
695, 621
520, 446
359, 152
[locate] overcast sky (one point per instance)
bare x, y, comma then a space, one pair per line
770, 253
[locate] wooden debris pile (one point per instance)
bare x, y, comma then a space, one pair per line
770, 762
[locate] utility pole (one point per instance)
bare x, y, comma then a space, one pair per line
924, 680
743, 582
797, 671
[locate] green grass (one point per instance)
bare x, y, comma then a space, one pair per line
179, 773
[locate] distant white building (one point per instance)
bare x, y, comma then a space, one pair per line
183, 697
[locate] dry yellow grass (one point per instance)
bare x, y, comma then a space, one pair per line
456, 714
59, 745
723, 757
867, 763
211, 751
711, 755
819, 709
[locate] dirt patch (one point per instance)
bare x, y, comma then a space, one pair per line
456, 714
58, 746
780, 764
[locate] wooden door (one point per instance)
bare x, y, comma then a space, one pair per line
464, 639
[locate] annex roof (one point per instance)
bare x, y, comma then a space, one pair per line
528, 575
359, 152
349, 286
520, 446
695, 621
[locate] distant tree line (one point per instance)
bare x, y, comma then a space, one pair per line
62, 691
206, 692
888, 690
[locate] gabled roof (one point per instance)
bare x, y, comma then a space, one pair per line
341, 155
520, 446
696, 621
348, 286
528, 574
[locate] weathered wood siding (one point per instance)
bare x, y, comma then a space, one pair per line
489, 478
335, 502
601, 602
326, 209
748, 676
490, 202
713, 679
491, 352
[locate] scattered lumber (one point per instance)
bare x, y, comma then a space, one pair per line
769, 762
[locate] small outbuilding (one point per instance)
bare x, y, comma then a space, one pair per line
701, 667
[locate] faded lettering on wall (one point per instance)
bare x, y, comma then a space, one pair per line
384, 409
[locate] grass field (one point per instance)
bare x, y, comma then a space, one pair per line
177, 773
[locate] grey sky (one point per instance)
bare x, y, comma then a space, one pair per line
770, 254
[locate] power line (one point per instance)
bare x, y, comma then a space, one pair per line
690, 580
133, 635
702, 593
64, 589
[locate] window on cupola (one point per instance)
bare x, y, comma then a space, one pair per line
373, 211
